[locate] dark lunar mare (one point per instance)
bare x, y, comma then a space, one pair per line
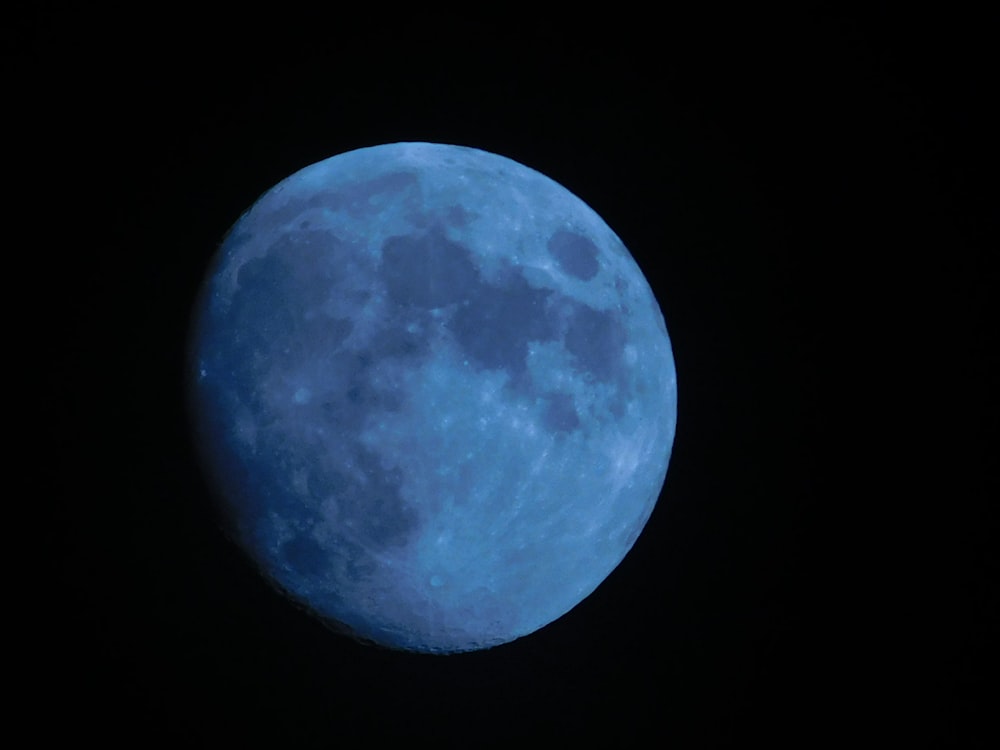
575, 254
493, 323
495, 327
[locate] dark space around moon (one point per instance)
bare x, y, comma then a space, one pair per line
800, 192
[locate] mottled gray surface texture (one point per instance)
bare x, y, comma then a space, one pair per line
435, 392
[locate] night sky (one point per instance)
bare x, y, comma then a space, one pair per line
803, 194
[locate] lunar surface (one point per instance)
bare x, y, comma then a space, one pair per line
434, 392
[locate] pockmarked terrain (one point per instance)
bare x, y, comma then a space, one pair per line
434, 392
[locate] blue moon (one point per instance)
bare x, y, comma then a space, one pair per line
434, 393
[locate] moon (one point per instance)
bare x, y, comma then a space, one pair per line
434, 392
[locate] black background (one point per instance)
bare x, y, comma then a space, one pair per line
805, 194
